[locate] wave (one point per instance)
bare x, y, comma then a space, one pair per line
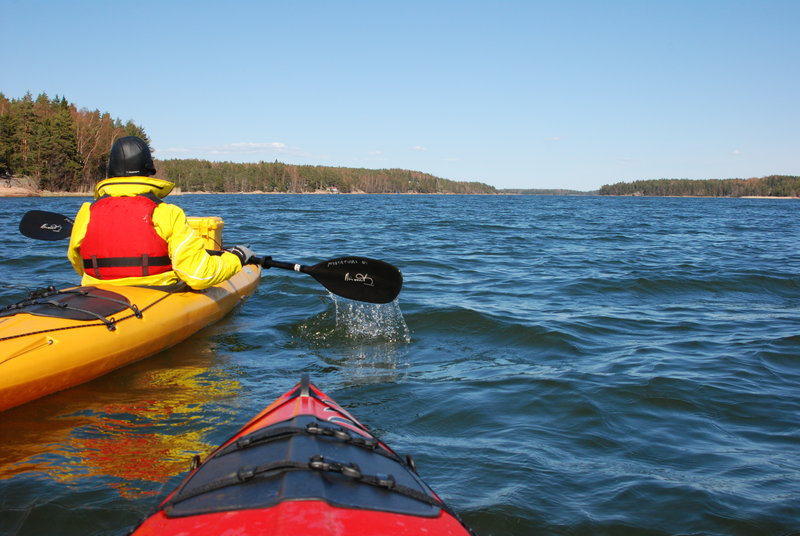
736, 284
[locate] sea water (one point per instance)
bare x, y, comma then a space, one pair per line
555, 365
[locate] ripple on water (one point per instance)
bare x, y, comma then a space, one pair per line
556, 365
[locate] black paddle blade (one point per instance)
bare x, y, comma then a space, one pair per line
42, 225
358, 278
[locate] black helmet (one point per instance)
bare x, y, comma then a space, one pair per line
130, 156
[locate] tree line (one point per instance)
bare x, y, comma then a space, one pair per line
55, 146
771, 186
193, 175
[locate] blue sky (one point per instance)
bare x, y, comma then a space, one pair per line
516, 94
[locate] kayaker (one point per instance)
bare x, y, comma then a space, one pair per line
129, 236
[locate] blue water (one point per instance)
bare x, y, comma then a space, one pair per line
556, 365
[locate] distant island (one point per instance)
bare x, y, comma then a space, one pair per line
771, 186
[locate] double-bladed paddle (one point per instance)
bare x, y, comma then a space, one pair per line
356, 278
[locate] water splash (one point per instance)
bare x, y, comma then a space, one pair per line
355, 322
367, 342
369, 321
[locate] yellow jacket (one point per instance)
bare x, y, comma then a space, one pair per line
190, 262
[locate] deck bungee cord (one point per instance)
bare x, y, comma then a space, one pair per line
303, 465
41, 303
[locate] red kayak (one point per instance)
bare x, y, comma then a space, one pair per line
304, 465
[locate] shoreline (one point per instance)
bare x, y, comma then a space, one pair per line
22, 192
15, 191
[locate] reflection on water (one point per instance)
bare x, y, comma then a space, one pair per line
134, 446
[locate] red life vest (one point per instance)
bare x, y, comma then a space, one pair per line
121, 240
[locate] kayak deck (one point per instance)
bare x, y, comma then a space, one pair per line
41, 354
304, 464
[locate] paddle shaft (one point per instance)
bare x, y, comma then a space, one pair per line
268, 262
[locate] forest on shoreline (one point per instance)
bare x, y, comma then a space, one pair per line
55, 146
771, 186
276, 177
52, 145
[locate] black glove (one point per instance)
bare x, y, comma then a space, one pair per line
244, 253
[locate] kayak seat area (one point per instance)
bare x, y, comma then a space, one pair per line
301, 459
80, 303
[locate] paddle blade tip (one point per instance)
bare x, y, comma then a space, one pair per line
360, 278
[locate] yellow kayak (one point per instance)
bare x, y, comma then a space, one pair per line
58, 339
67, 337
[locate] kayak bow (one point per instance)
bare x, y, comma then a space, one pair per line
303, 466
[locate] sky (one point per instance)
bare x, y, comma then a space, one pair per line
516, 94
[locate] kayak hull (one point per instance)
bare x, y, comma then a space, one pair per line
303, 465
40, 355
301, 517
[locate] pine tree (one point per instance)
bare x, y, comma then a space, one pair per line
60, 151
51, 142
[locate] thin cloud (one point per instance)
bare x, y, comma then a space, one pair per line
419, 148
247, 147
236, 150
736, 152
